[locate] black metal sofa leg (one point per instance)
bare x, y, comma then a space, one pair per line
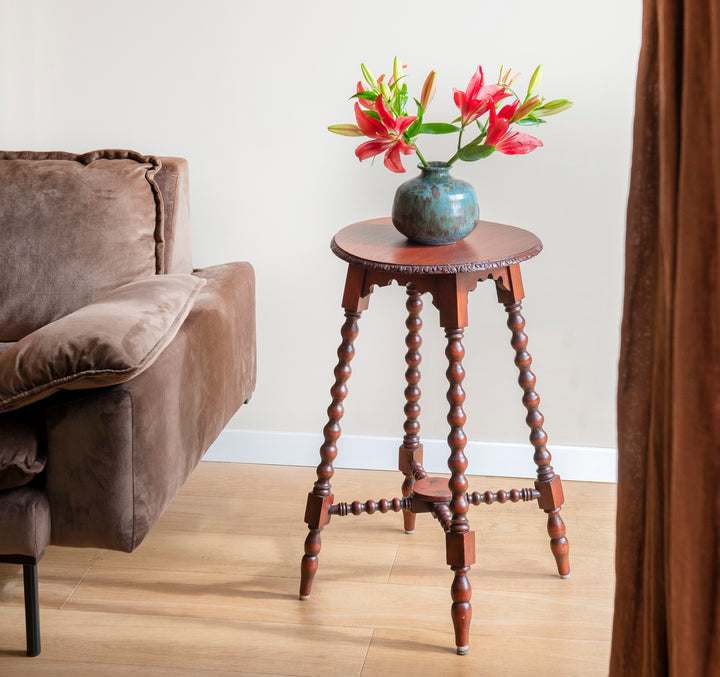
32, 609
32, 600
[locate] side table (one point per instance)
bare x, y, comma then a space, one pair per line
376, 255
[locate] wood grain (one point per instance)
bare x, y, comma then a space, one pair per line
213, 590
376, 245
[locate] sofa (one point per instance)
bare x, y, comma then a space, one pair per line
119, 363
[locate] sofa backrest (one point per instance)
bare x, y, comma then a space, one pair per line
75, 227
173, 178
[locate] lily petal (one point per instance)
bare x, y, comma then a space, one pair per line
509, 110
371, 148
403, 122
518, 143
392, 160
369, 125
384, 113
475, 84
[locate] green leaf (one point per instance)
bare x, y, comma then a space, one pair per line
372, 114
472, 153
530, 121
438, 128
370, 96
414, 128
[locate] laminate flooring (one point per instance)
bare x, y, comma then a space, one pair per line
213, 588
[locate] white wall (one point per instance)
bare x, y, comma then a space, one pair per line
245, 92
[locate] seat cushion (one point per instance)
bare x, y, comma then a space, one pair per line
24, 522
106, 342
73, 227
22, 455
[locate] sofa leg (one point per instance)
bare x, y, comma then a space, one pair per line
32, 609
32, 599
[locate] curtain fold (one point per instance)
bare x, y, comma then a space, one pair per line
667, 599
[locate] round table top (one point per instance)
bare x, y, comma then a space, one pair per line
375, 244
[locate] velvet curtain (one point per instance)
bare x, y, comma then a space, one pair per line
667, 600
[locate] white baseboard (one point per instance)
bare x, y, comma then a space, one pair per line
589, 464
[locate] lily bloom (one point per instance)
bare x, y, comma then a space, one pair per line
500, 136
477, 98
386, 136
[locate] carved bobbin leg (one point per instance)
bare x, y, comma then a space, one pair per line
321, 498
548, 483
410, 454
459, 540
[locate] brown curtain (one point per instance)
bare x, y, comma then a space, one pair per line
667, 600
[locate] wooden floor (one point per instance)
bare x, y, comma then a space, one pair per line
213, 589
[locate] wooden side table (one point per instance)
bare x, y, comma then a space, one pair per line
376, 255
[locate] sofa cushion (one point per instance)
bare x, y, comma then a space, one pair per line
106, 342
73, 227
22, 454
24, 522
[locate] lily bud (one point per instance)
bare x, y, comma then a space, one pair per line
428, 90
553, 107
346, 130
397, 70
385, 90
535, 81
369, 77
526, 108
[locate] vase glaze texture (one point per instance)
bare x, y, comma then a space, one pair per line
435, 208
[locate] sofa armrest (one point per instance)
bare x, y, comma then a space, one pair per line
109, 341
117, 456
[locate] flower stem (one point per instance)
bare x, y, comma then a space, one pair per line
419, 154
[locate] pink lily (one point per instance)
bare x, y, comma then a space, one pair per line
500, 136
386, 136
477, 98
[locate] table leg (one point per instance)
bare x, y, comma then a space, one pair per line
459, 540
410, 454
548, 483
321, 498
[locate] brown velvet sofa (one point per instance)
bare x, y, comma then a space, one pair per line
119, 363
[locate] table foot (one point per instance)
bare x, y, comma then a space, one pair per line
463, 650
558, 543
309, 565
461, 609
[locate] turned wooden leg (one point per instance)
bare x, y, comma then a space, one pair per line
548, 483
320, 499
410, 455
459, 540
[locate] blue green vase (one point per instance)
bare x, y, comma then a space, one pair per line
435, 208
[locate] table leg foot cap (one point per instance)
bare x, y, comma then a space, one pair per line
463, 650
564, 576
303, 597
409, 532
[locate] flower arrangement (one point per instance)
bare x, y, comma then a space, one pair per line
381, 115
